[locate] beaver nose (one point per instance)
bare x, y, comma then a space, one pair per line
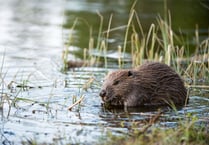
102, 93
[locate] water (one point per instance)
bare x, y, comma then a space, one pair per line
31, 44
186, 17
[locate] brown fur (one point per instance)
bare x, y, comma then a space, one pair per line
150, 84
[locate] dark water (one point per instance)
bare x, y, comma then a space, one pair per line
186, 17
32, 38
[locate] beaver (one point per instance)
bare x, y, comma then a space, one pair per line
150, 84
77, 64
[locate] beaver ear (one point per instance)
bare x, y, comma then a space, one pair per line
130, 73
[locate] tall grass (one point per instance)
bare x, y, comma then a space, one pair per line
5, 98
66, 52
160, 44
2, 79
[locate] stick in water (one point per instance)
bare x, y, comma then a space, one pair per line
77, 102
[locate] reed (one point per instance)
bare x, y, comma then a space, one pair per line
4, 96
66, 52
160, 44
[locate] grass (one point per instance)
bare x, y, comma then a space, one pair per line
186, 133
160, 44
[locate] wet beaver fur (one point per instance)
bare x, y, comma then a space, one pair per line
149, 85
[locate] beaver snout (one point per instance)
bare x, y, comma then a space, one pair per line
102, 93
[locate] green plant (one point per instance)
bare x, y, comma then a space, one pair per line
187, 132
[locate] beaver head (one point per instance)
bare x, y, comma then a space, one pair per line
119, 88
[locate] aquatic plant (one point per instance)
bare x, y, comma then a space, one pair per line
161, 44
188, 131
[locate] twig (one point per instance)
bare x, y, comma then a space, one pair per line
77, 102
198, 86
153, 120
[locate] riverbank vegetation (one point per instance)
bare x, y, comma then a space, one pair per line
160, 43
189, 131
164, 45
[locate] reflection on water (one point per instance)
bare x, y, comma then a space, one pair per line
31, 44
186, 16
30, 27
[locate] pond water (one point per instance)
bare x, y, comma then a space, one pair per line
35, 94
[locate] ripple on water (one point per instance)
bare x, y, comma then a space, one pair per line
36, 95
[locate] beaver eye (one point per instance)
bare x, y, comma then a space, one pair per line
116, 82
130, 73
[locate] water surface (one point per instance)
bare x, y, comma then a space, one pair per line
32, 38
